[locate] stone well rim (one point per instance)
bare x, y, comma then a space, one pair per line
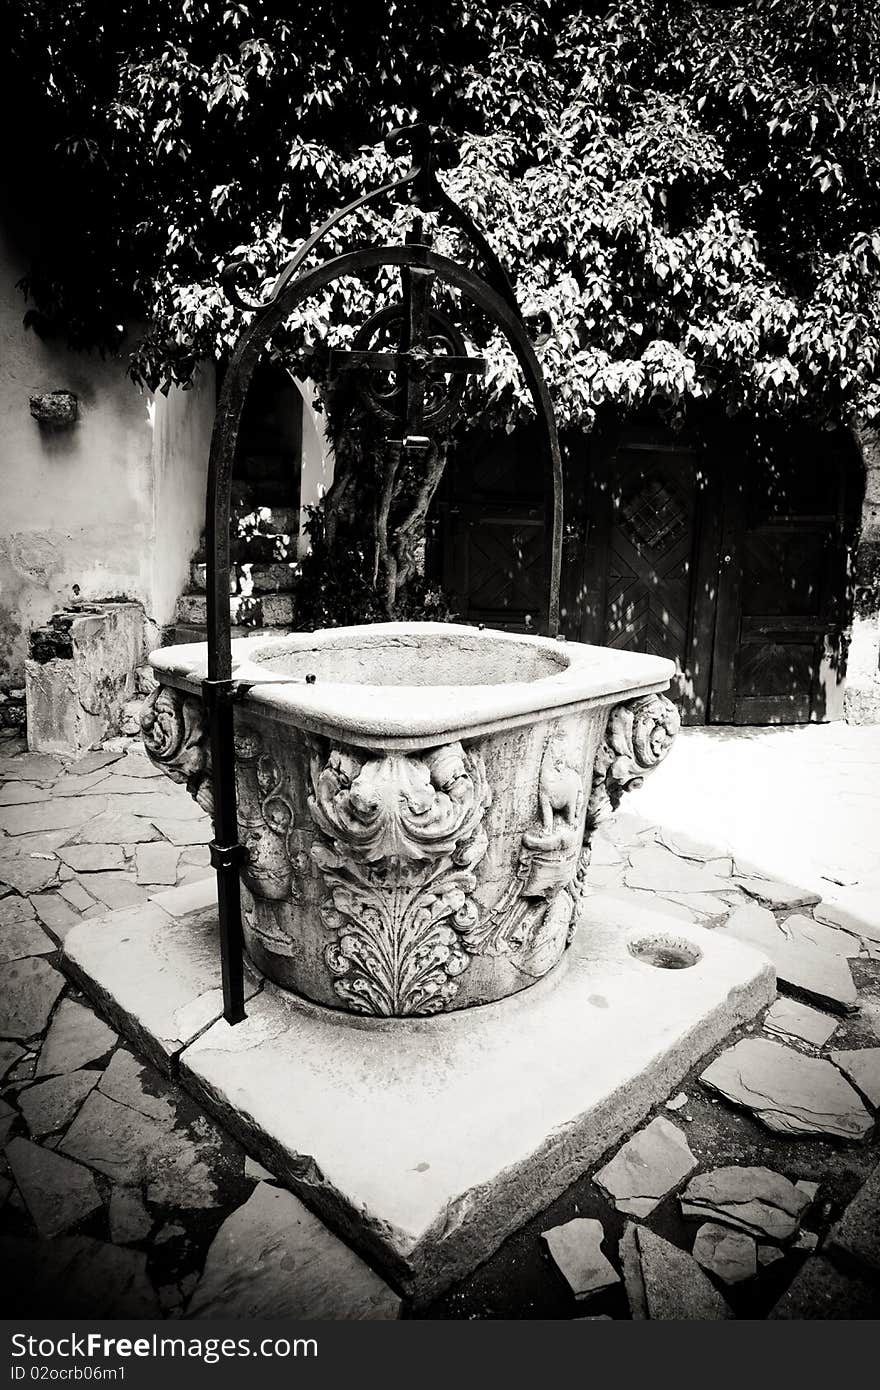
412, 715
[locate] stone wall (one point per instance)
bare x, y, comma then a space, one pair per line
862, 698
108, 506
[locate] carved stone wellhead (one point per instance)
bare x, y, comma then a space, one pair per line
403, 882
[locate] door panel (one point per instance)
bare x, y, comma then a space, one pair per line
779, 648
644, 509
496, 553
501, 564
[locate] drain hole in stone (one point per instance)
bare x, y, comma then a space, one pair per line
665, 952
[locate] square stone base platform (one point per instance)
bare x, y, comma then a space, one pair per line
426, 1142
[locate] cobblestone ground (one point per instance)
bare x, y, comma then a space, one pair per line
753, 1191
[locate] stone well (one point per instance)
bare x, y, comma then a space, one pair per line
413, 800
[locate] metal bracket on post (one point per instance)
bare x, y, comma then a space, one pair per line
226, 852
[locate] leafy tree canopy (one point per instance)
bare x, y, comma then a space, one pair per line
687, 193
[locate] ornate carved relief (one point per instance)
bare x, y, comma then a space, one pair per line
265, 820
638, 736
175, 737
534, 919
401, 836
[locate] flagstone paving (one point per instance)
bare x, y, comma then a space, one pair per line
120, 1197
732, 1255
575, 1249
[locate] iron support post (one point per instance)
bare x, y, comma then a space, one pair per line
226, 852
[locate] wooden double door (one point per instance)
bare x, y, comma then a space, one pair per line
731, 559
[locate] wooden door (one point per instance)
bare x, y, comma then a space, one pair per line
647, 550
783, 588
496, 551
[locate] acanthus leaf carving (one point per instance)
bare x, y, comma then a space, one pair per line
638, 736
401, 836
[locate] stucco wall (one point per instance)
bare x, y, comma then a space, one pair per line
182, 424
862, 698
111, 506
317, 461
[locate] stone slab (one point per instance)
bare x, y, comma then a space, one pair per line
800, 965
154, 975
89, 858
790, 1093
856, 1236
576, 1250
28, 990
732, 1255
8, 1117
32, 767
28, 873
76, 1036
76, 1277
57, 1192
657, 868
776, 895
56, 915
117, 890
821, 934
426, 1142
789, 1018
52, 1104
131, 1147
10, 1053
646, 1167
862, 1066
273, 1259
858, 911
157, 863
820, 1291
116, 828
15, 909
23, 794
183, 832
73, 892
664, 1283
23, 938
60, 813
753, 1199
129, 1219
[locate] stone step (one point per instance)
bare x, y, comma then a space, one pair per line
279, 577
259, 577
249, 611
178, 634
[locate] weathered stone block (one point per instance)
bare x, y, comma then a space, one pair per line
273, 578
81, 673
426, 1141
54, 408
277, 609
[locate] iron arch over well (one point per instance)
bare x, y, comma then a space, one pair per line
238, 376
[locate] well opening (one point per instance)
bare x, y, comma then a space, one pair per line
665, 952
425, 660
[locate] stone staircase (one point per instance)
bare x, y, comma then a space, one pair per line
263, 573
